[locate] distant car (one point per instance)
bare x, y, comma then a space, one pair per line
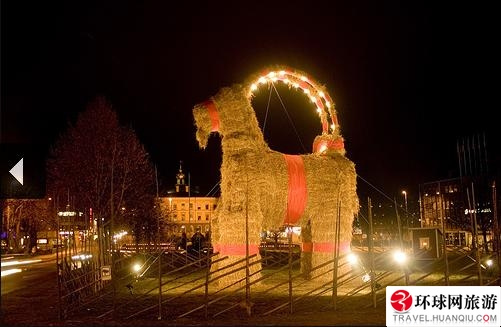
5, 248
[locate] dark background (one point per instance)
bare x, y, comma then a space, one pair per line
409, 79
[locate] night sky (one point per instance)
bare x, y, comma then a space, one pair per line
408, 79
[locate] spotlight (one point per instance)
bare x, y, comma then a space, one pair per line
136, 267
352, 258
400, 257
489, 263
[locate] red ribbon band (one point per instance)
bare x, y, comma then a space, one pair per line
235, 249
213, 114
296, 195
324, 247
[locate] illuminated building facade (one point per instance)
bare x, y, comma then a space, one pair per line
182, 211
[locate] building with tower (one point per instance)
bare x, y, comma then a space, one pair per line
184, 211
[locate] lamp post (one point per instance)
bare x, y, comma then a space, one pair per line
169, 216
406, 212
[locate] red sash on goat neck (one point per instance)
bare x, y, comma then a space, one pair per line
296, 193
213, 115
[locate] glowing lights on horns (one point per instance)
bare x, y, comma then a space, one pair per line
299, 80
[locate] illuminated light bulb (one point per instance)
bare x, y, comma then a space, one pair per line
281, 73
271, 74
328, 104
322, 148
285, 80
319, 110
253, 87
274, 79
303, 78
306, 91
321, 94
296, 85
313, 99
333, 127
262, 80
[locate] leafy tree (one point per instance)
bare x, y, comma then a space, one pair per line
104, 167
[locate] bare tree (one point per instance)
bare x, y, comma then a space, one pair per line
104, 167
25, 217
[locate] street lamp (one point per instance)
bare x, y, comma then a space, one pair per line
406, 212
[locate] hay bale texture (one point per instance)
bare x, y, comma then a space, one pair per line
255, 179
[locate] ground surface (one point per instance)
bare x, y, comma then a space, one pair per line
38, 306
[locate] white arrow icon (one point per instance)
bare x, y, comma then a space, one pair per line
17, 171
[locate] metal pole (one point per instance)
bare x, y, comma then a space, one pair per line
336, 254
399, 226
496, 228
371, 255
60, 316
289, 237
479, 267
189, 217
112, 228
444, 241
474, 234
247, 273
207, 272
159, 263
406, 210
